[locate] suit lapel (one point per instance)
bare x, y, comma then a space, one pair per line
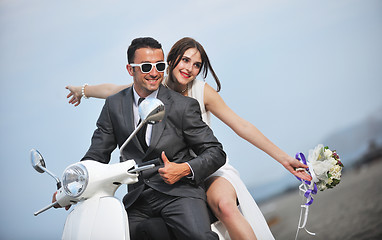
127, 110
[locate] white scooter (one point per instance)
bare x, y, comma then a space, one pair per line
90, 186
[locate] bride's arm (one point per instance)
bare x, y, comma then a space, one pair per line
215, 103
97, 91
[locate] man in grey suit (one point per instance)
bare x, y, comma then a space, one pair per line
176, 194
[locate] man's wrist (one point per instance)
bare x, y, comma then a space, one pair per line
185, 170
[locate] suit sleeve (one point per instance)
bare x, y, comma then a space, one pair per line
103, 141
209, 151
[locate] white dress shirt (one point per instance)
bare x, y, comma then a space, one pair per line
136, 114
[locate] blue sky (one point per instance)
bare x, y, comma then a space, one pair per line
298, 70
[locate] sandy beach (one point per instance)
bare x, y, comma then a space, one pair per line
352, 210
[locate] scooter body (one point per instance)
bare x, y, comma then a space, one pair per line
90, 187
100, 215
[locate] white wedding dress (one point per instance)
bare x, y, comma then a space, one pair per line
247, 204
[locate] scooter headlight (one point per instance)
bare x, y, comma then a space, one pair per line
75, 180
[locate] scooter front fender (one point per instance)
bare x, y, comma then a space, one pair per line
97, 218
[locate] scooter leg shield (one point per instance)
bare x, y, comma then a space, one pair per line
99, 218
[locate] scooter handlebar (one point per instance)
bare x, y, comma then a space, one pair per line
155, 161
145, 165
140, 169
45, 208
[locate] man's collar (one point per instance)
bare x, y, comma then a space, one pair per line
136, 96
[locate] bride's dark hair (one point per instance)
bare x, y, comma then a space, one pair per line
177, 51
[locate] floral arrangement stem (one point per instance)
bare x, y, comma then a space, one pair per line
307, 188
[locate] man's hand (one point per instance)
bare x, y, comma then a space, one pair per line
57, 205
173, 172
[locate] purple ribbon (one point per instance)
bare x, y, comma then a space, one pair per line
308, 194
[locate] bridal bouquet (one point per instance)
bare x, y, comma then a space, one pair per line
325, 166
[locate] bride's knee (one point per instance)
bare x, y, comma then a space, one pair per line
225, 208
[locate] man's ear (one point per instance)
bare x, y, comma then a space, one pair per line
130, 69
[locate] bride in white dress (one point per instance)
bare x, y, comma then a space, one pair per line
186, 60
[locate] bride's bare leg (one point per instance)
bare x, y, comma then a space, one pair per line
221, 197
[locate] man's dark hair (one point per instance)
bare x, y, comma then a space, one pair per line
143, 42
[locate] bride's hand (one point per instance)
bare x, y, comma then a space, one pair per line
297, 168
75, 94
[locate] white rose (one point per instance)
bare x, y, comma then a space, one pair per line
332, 162
321, 168
328, 153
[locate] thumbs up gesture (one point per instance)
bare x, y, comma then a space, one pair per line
173, 172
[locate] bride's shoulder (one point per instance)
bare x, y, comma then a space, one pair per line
200, 84
209, 91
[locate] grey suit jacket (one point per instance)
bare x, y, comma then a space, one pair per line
181, 130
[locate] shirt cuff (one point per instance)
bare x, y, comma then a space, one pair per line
192, 172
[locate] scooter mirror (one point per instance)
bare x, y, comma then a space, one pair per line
37, 161
151, 110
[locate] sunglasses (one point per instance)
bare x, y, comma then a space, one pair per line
146, 67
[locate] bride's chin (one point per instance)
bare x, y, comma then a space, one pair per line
184, 81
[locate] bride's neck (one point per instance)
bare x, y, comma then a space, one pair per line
182, 89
